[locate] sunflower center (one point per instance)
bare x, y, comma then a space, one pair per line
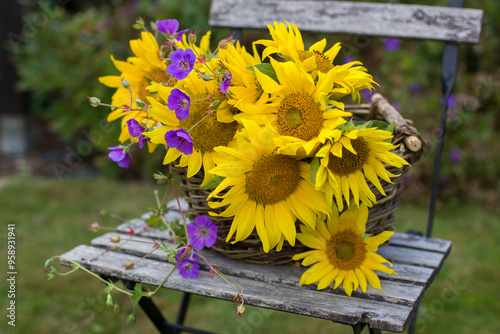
272, 179
350, 162
299, 116
346, 250
207, 132
157, 75
323, 64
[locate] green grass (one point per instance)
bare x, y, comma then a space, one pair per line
52, 217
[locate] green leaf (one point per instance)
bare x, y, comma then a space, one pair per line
137, 294
153, 221
213, 183
48, 263
381, 125
265, 68
314, 169
390, 127
52, 273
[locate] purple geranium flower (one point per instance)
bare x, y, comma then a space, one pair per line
392, 44
455, 156
181, 140
119, 156
226, 81
189, 268
366, 94
202, 233
135, 129
170, 27
191, 256
415, 88
182, 63
349, 59
180, 102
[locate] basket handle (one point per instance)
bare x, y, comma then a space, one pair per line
412, 144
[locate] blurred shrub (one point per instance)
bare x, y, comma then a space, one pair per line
70, 48
61, 65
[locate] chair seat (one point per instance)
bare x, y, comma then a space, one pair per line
416, 259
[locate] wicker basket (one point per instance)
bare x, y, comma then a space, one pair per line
381, 215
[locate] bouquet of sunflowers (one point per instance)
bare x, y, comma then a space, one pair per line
278, 153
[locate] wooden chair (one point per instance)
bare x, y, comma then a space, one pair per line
417, 259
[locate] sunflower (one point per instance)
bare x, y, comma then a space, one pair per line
351, 157
268, 190
341, 254
146, 66
297, 108
287, 42
245, 91
203, 124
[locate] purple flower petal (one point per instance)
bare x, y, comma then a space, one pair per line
455, 155
180, 102
189, 268
169, 26
180, 33
119, 156
202, 232
134, 127
224, 85
392, 44
181, 140
192, 255
125, 163
182, 63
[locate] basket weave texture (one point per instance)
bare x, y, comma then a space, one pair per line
381, 215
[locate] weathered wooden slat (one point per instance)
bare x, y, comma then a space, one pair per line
277, 296
396, 288
412, 256
280, 274
370, 19
418, 242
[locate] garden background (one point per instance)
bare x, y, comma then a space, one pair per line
54, 180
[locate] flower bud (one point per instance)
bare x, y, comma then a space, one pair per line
206, 77
140, 103
113, 248
104, 212
94, 227
138, 24
125, 83
116, 308
129, 265
115, 239
192, 37
223, 43
94, 101
240, 309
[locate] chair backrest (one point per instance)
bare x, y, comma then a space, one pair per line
357, 18
452, 25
